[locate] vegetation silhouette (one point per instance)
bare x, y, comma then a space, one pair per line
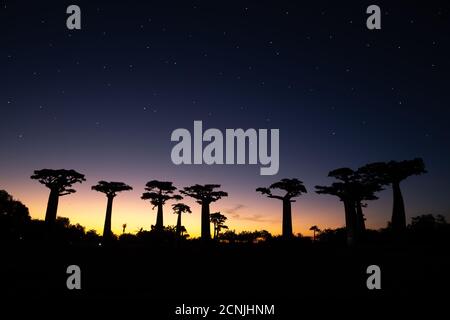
352, 188
218, 220
393, 173
110, 189
14, 216
179, 209
59, 183
314, 229
205, 195
293, 188
159, 192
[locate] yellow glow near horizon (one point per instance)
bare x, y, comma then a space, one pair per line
245, 210
88, 208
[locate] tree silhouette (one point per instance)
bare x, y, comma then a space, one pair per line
218, 220
159, 192
110, 189
353, 189
124, 227
205, 195
314, 229
59, 183
393, 173
179, 209
293, 188
14, 217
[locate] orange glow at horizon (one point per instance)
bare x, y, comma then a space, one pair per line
245, 210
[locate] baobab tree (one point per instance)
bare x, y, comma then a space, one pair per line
345, 193
363, 185
293, 188
205, 195
218, 221
314, 229
179, 209
59, 182
110, 189
393, 173
352, 189
159, 192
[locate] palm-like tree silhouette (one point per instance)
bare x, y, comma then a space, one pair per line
124, 227
314, 229
179, 209
218, 220
205, 195
110, 189
159, 192
393, 173
293, 189
59, 183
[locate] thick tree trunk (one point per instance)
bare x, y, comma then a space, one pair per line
206, 231
159, 218
178, 228
350, 222
107, 227
360, 223
287, 219
398, 222
52, 208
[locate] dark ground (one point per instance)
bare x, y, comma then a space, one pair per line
297, 278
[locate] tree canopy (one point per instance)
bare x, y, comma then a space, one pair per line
111, 188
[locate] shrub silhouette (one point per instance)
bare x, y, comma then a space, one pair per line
205, 195
14, 217
293, 188
110, 189
159, 192
59, 183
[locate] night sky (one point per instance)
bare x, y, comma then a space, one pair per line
105, 99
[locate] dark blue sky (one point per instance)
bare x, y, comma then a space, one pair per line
105, 99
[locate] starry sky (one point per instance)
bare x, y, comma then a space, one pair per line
105, 99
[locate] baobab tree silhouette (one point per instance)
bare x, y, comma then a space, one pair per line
294, 188
205, 195
314, 229
218, 221
159, 192
179, 209
59, 183
110, 189
352, 189
393, 173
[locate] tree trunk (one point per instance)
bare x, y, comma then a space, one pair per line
360, 224
159, 218
107, 227
398, 222
350, 221
206, 231
52, 207
178, 228
287, 219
